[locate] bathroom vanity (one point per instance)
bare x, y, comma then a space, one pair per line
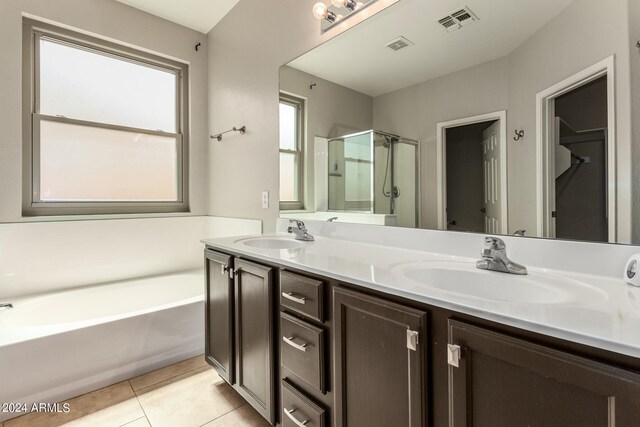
338, 333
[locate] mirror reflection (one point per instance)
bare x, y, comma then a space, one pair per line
501, 117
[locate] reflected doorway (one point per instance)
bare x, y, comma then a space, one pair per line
472, 175
576, 157
472, 157
580, 141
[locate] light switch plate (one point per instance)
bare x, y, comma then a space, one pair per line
265, 200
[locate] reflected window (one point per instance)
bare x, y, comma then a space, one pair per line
106, 127
291, 152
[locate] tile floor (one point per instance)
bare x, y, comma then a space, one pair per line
186, 394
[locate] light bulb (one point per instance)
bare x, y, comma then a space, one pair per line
320, 10
349, 4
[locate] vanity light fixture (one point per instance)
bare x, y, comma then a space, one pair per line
329, 14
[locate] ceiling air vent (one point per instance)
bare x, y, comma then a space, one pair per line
399, 43
456, 20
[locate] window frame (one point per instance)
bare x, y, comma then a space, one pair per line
299, 104
32, 205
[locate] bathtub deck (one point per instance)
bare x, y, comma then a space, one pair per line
184, 394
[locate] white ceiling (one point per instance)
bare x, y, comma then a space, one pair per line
200, 15
358, 58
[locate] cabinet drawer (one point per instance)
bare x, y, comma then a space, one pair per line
298, 410
302, 294
302, 350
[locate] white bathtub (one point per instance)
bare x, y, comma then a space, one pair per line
59, 345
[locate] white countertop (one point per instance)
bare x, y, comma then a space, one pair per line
601, 311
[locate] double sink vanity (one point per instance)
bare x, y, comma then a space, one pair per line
342, 331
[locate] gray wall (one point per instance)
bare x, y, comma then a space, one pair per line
566, 45
246, 50
415, 111
634, 36
572, 41
122, 24
332, 110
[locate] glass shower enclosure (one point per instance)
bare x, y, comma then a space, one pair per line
375, 172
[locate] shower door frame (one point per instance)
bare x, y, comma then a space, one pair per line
401, 140
416, 144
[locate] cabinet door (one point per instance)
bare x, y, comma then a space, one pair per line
504, 381
379, 380
219, 313
254, 336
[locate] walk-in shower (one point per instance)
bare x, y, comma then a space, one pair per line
375, 172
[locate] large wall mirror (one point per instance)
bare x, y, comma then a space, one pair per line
500, 117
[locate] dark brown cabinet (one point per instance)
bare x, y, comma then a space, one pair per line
505, 381
219, 319
255, 371
379, 355
239, 332
305, 361
347, 356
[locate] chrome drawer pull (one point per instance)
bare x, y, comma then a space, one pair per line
290, 412
289, 296
289, 340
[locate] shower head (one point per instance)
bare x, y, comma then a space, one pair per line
388, 140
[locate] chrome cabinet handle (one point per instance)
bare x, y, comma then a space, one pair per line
289, 296
289, 413
289, 340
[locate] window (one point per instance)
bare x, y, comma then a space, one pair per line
104, 126
291, 152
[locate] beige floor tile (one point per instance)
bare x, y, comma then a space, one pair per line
192, 401
172, 380
168, 372
140, 422
110, 406
245, 416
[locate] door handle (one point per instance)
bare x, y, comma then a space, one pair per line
289, 340
290, 296
289, 413
453, 355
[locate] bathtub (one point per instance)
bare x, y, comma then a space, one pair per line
59, 345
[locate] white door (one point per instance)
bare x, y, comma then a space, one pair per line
491, 168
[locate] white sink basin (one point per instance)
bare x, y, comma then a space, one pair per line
273, 242
462, 278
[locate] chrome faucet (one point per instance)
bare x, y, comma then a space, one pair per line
333, 218
300, 231
494, 258
520, 233
6, 305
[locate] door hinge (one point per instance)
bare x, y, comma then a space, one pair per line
453, 355
412, 340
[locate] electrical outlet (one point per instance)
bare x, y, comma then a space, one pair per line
265, 200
